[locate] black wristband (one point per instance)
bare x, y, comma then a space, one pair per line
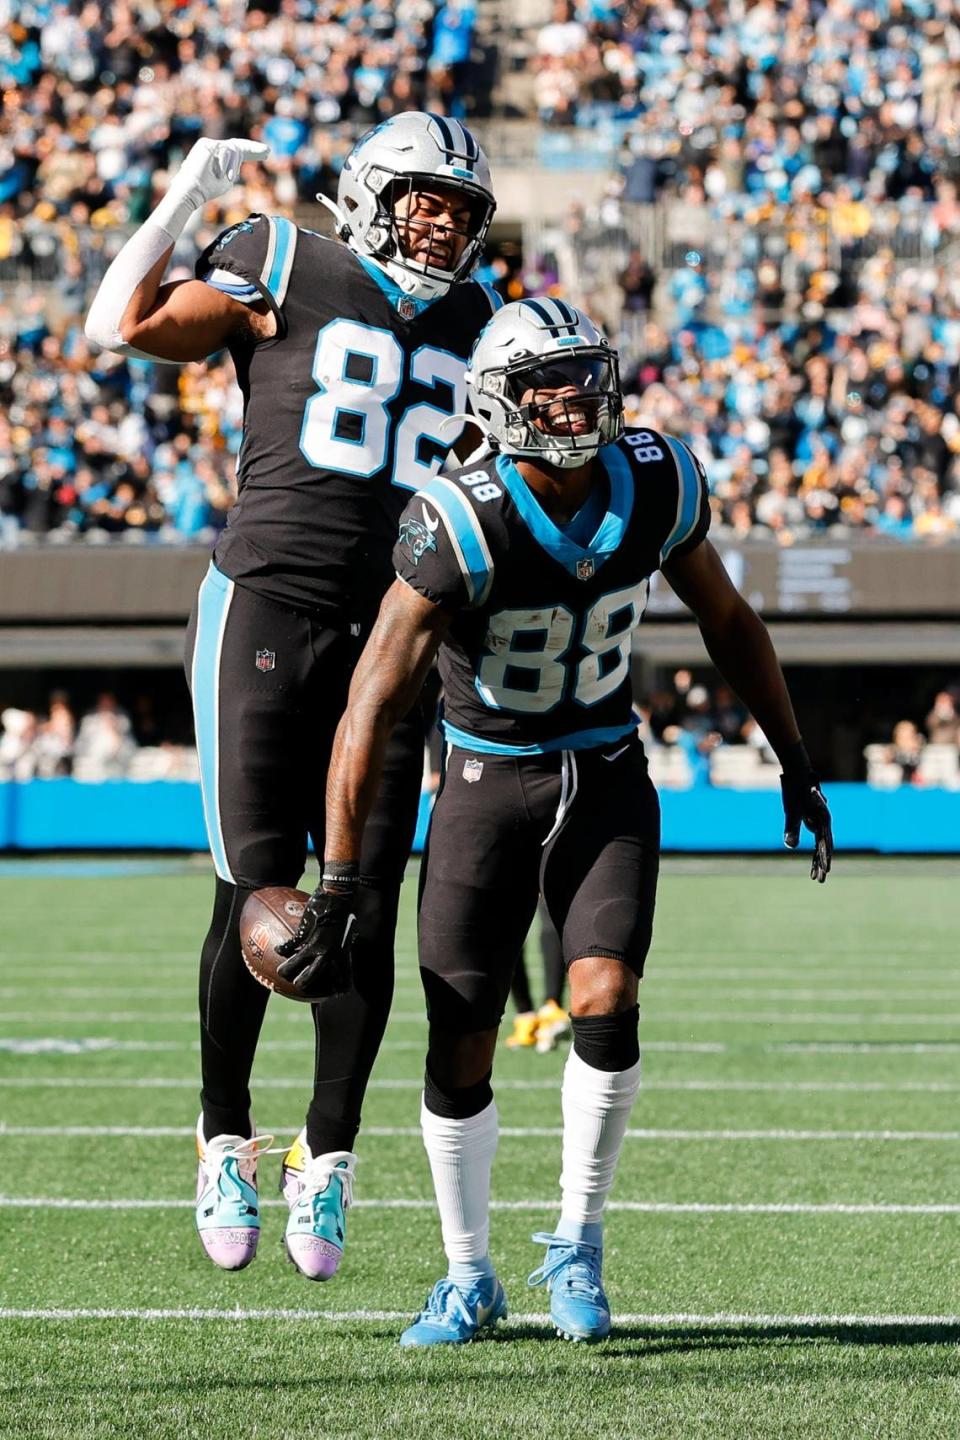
794, 759
341, 875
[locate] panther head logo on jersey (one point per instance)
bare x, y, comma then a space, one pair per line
416, 538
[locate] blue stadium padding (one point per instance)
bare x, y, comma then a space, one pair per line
168, 815
887, 821
112, 815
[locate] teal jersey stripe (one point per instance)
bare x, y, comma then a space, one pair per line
494, 296
578, 740
466, 535
286, 237
689, 496
213, 607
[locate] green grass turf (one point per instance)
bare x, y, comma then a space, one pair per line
826, 1010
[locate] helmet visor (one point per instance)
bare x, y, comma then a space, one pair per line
566, 395
538, 382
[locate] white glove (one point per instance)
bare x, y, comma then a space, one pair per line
210, 170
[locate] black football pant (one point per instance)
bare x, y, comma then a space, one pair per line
269, 686
582, 828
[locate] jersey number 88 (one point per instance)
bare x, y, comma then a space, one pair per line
528, 669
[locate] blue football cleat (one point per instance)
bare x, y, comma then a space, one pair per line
453, 1316
571, 1273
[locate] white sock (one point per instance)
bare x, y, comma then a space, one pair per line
596, 1109
461, 1157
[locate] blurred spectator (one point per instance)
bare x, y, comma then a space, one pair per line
18, 759
105, 739
637, 282
906, 750
55, 738
943, 722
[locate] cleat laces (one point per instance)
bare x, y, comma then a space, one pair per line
224, 1177
318, 1172
446, 1301
578, 1262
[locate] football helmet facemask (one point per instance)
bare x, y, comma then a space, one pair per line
379, 211
545, 383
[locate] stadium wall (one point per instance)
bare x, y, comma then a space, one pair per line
130, 583
167, 815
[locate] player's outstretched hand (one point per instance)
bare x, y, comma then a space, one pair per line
213, 167
804, 804
317, 959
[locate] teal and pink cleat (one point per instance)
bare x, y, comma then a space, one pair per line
228, 1209
319, 1191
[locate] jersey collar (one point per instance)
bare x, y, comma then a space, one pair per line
574, 558
406, 306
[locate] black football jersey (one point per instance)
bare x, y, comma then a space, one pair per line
343, 413
538, 655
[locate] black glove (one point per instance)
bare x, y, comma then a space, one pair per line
317, 958
804, 803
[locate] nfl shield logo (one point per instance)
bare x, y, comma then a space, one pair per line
472, 770
585, 569
266, 660
407, 309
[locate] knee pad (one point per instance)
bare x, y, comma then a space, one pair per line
456, 1102
608, 1042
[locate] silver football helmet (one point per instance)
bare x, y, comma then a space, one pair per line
408, 153
545, 348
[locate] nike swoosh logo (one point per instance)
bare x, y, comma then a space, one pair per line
617, 753
484, 1312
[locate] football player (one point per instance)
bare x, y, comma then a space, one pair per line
350, 354
529, 574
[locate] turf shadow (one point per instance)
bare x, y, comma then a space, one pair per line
733, 1336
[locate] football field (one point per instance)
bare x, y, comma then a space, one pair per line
783, 1246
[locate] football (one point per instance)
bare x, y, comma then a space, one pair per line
269, 917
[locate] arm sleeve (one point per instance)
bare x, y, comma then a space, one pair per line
442, 551
253, 261
693, 502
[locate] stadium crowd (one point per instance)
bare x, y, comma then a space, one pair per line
107, 742
696, 732
816, 374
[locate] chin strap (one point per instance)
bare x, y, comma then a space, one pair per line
342, 223
488, 445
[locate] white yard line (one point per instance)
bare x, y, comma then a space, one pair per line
652, 1016
655, 1320
864, 1047
509, 1132
80, 1045
655, 986
67, 1045
866, 1087
644, 1207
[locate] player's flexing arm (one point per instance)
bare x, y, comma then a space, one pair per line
389, 676
739, 645
134, 314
